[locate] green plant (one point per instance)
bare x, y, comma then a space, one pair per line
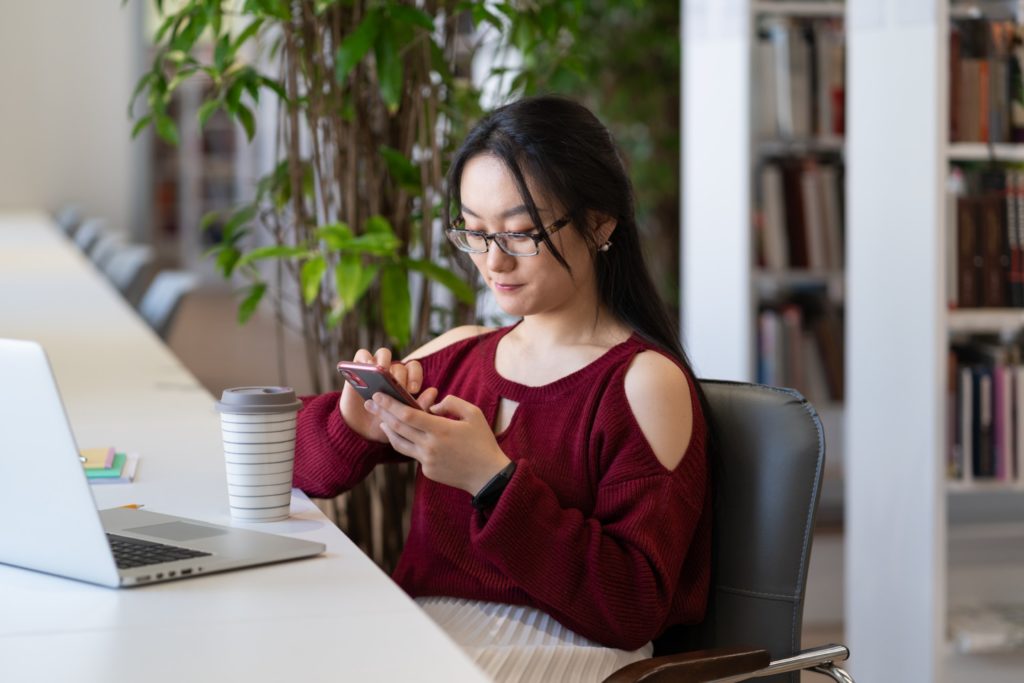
370, 95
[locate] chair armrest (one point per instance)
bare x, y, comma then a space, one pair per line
693, 667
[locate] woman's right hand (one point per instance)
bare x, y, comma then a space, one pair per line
351, 404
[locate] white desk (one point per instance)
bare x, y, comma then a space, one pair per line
331, 618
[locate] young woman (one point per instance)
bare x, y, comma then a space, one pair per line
561, 518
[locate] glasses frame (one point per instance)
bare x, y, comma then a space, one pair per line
497, 237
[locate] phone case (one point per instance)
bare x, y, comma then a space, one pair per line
368, 379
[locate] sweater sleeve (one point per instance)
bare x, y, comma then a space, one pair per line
610, 576
330, 458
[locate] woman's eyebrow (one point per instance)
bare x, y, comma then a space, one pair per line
507, 213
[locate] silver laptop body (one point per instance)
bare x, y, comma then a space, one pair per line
49, 518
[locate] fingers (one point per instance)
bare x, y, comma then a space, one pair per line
454, 407
414, 376
427, 398
399, 442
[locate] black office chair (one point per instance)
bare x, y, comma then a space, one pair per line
768, 463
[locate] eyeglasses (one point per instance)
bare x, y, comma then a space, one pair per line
512, 243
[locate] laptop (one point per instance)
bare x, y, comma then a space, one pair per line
67, 536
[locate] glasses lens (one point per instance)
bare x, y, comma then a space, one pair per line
467, 241
520, 245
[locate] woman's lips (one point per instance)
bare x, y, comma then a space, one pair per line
502, 287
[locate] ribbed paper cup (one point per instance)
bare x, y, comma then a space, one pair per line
258, 428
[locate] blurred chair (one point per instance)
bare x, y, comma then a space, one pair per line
104, 248
68, 218
88, 233
163, 298
128, 268
769, 456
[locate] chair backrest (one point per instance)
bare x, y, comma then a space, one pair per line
163, 298
769, 457
68, 218
104, 248
88, 232
128, 267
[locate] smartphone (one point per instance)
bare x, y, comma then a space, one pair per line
368, 379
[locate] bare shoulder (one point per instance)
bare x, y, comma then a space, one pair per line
658, 392
456, 334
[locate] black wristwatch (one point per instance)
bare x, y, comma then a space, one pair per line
490, 492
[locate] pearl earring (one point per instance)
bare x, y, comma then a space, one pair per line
606, 246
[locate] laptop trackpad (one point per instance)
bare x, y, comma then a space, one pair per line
177, 531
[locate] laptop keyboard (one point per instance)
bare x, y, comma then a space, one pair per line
131, 552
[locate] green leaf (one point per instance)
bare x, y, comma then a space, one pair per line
355, 46
239, 218
389, 70
337, 236
375, 244
462, 291
159, 35
140, 124
251, 302
275, 251
311, 277
166, 129
139, 87
405, 173
246, 34
208, 219
275, 86
481, 14
227, 259
234, 95
352, 279
412, 16
378, 225
206, 111
244, 115
396, 305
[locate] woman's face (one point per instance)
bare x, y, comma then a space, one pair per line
522, 285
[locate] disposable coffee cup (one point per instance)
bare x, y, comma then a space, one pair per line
258, 430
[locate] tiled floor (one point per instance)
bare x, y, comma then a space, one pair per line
222, 354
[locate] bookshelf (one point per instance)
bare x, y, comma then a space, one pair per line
906, 562
771, 247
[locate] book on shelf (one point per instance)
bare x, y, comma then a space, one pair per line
986, 412
800, 345
986, 101
985, 235
799, 219
800, 78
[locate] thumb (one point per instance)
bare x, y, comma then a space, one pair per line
453, 406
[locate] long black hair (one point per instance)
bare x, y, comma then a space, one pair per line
562, 147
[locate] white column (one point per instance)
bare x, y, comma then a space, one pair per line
895, 491
716, 219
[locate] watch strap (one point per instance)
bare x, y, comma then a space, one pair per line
490, 492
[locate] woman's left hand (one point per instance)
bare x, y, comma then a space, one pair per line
451, 439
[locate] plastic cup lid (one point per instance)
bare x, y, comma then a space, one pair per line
258, 400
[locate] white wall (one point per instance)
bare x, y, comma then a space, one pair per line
67, 70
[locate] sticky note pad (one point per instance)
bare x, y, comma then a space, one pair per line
113, 471
98, 458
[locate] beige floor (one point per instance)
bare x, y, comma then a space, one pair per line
222, 354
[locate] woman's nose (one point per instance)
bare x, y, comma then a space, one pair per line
498, 260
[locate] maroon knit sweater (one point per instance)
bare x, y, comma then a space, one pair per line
592, 529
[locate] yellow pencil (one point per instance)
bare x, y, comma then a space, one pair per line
131, 506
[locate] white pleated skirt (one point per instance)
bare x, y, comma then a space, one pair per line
515, 644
